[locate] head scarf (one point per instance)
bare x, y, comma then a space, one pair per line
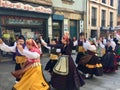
66, 38
32, 42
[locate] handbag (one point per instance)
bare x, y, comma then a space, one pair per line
61, 66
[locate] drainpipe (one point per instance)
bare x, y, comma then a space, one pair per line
86, 19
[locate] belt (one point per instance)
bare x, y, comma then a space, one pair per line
35, 64
53, 57
20, 59
81, 49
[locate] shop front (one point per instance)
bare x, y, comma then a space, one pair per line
23, 19
70, 22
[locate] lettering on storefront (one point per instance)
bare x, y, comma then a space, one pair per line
21, 21
21, 6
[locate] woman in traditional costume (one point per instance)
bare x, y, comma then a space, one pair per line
90, 64
109, 62
117, 51
32, 78
100, 48
65, 75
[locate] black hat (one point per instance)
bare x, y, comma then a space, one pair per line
81, 34
21, 37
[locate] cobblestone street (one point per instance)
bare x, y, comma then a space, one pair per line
106, 82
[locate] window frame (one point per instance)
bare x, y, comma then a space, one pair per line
111, 19
94, 17
103, 18
103, 1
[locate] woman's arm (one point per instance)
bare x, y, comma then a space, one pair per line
56, 45
29, 54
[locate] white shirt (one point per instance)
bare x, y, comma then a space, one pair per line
29, 54
117, 36
113, 44
7, 48
85, 44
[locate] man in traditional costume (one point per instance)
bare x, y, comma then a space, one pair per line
82, 45
54, 55
20, 59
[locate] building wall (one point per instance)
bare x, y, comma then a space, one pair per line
71, 10
118, 17
101, 6
78, 5
118, 20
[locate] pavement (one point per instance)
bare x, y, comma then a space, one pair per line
106, 82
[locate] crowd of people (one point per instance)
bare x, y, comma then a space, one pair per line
94, 57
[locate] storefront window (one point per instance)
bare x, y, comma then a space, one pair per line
29, 27
56, 29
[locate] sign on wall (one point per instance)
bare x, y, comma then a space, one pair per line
81, 26
21, 6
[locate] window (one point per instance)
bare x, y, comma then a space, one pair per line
103, 1
103, 17
119, 7
111, 2
94, 16
111, 19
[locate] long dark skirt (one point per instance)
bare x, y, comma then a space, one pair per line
109, 62
49, 66
68, 82
98, 71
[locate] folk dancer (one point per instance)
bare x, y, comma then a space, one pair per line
65, 75
90, 64
32, 78
54, 55
20, 59
108, 60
